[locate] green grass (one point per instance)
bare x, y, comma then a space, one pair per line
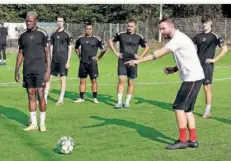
101, 133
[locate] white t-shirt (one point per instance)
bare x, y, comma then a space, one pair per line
186, 57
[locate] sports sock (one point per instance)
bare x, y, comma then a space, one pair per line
182, 137
120, 95
42, 118
208, 108
129, 96
33, 118
94, 94
192, 135
81, 95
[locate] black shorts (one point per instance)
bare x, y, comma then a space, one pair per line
127, 70
2, 46
208, 71
32, 80
187, 95
58, 68
86, 69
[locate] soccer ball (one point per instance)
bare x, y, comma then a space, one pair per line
65, 145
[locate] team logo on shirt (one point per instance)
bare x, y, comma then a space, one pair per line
204, 39
130, 39
31, 37
87, 41
58, 37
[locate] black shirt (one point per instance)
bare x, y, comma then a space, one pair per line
206, 45
3, 35
129, 44
60, 41
33, 44
89, 47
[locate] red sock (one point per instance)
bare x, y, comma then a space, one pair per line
192, 135
183, 137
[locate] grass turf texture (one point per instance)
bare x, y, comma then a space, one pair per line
139, 133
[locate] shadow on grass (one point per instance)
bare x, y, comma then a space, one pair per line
14, 114
223, 120
144, 131
163, 105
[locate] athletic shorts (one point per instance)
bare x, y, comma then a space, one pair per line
127, 70
2, 46
86, 69
58, 68
187, 95
32, 80
208, 71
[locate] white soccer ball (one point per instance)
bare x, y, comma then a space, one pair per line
66, 145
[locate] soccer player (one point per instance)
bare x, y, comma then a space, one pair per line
35, 55
3, 35
206, 43
61, 49
129, 44
192, 75
88, 61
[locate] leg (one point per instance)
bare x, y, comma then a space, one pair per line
82, 88
129, 92
208, 71
94, 73
83, 73
62, 90
4, 53
94, 88
32, 108
120, 89
0, 54
47, 88
208, 100
42, 108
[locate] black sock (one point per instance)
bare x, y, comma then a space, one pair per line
94, 94
81, 95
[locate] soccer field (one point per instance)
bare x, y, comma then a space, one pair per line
102, 133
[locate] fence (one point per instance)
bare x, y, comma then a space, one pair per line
149, 29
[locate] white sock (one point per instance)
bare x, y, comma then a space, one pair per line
207, 109
61, 96
42, 118
120, 95
0, 60
33, 118
129, 96
4, 61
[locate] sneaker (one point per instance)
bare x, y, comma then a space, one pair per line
31, 128
177, 145
207, 115
42, 128
79, 100
118, 105
59, 102
95, 100
192, 144
126, 105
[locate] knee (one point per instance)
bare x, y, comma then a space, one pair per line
130, 82
207, 88
82, 81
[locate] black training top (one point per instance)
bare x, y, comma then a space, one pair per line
206, 45
33, 44
60, 41
3, 35
89, 47
129, 44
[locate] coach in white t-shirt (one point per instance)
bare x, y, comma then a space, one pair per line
192, 75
